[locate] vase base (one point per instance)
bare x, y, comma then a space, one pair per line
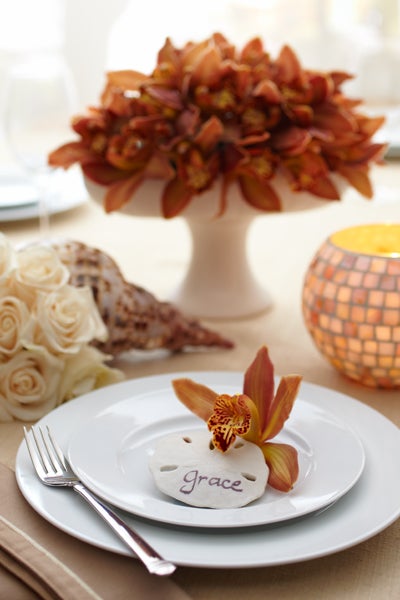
220, 304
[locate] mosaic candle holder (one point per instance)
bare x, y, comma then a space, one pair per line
351, 303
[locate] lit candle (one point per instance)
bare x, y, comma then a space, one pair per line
351, 303
375, 239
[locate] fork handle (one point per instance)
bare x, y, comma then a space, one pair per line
150, 558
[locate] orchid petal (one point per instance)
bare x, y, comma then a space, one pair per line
69, 154
227, 49
370, 125
358, 179
120, 193
364, 154
339, 77
101, 172
253, 51
196, 397
170, 98
334, 119
167, 53
302, 115
259, 384
322, 87
187, 121
96, 120
269, 91
324, 188
289, 65
207, 71
259, 194
282, 461
159, 167
250, 140
281, 406
126, 79
192, 54
291, 141
175, 198
209, 135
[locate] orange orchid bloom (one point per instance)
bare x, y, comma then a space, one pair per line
257, 415
209, 113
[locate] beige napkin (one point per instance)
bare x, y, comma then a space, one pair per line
37, 560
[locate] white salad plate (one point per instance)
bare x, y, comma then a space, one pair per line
371, 505
111, 456
19, 199
15, 191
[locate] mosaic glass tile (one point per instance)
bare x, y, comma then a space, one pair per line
355, 279
362, 263
383, 334
388, 282
391, 317
376, 298
371, 280
365, 332
359, 296
344, 294
392, 300
374, 315
393, 267
377, 266
343, 311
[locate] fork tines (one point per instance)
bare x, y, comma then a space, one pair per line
45, 453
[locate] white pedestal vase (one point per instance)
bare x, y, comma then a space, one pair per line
219, 282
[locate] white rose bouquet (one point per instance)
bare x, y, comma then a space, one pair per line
46, 327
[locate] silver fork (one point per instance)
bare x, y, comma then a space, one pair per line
53, 469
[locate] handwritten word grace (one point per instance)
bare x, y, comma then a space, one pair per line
188, 468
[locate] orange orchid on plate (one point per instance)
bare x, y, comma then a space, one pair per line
210, 113
256, 415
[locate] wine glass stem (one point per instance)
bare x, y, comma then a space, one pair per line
44, 193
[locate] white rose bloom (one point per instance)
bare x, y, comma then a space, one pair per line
7, 261
38, 269
29, 384
16, 325
85, 372
69, 318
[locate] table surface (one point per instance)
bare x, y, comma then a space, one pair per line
154, 253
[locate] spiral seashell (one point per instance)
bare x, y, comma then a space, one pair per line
135, 319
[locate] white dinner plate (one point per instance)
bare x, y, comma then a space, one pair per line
15, 191
19, 199
368, 508
110, 454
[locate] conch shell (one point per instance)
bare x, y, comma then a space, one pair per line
135, 319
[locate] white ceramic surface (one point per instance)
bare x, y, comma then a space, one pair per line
19, 200
111, 455
15, 191
219, 281
146, 201
368, 508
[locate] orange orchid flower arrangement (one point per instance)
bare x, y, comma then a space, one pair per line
256, 415
210, 113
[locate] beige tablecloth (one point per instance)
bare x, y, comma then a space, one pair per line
154, 253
